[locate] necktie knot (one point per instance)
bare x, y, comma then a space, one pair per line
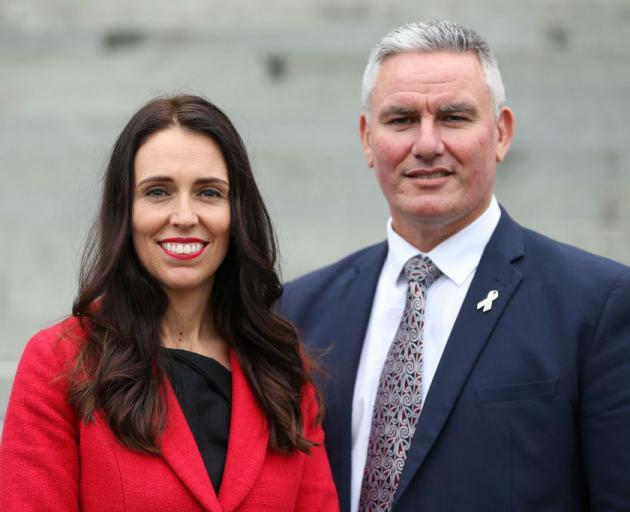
421, 269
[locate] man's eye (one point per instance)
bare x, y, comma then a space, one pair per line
454, 118
401, 120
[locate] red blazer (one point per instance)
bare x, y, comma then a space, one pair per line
51, 460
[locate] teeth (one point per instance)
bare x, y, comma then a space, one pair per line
182, 248
430, 176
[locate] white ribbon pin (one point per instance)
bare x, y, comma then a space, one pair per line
486, 303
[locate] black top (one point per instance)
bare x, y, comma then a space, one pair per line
204, 390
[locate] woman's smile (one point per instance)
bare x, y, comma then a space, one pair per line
183, 248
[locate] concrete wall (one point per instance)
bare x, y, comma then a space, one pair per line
288, 74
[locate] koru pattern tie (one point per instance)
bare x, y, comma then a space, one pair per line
399, 395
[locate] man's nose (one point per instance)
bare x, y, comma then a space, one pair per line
184, 215
428, 142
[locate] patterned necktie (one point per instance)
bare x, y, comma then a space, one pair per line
399, 395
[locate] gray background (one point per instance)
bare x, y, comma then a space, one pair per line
288, 74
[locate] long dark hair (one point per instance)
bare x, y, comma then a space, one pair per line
120, 369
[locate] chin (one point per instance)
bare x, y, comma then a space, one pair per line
185, 283
428, 209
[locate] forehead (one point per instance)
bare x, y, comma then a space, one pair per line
178, 149
433, 78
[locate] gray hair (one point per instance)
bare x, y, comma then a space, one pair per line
428, 37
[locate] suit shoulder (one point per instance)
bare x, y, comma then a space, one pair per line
562, 257
328, 275
318, 290
566, 271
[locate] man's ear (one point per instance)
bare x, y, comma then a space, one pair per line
505, 131
364, 132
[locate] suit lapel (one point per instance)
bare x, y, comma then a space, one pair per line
468, 338
353, 297
180, 452
247, 445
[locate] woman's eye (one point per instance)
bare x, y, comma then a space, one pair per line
155, 192
210, 193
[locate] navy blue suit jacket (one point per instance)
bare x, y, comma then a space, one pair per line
529, 409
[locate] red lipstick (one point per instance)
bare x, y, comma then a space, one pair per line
183, 248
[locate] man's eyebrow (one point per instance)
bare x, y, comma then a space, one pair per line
451, 108
397, 110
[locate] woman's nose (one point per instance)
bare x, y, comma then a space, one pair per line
184, 214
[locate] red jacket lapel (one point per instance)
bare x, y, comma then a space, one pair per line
247, 445
180, 452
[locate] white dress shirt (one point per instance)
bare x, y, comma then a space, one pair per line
457, 258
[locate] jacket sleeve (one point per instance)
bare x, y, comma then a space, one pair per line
605, 404
39, 451
317, 490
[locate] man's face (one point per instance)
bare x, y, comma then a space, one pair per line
434, 142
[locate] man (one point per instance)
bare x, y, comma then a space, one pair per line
473, 365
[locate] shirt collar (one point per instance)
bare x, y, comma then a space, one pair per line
456, 257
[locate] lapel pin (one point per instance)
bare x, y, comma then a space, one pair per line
486, 303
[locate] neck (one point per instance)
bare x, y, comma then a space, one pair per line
423, 238
188, 324
426, 234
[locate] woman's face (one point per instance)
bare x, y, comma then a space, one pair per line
181, 209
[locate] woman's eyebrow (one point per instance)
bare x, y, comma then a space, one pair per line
168, 179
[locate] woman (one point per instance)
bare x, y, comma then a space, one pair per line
172, 386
